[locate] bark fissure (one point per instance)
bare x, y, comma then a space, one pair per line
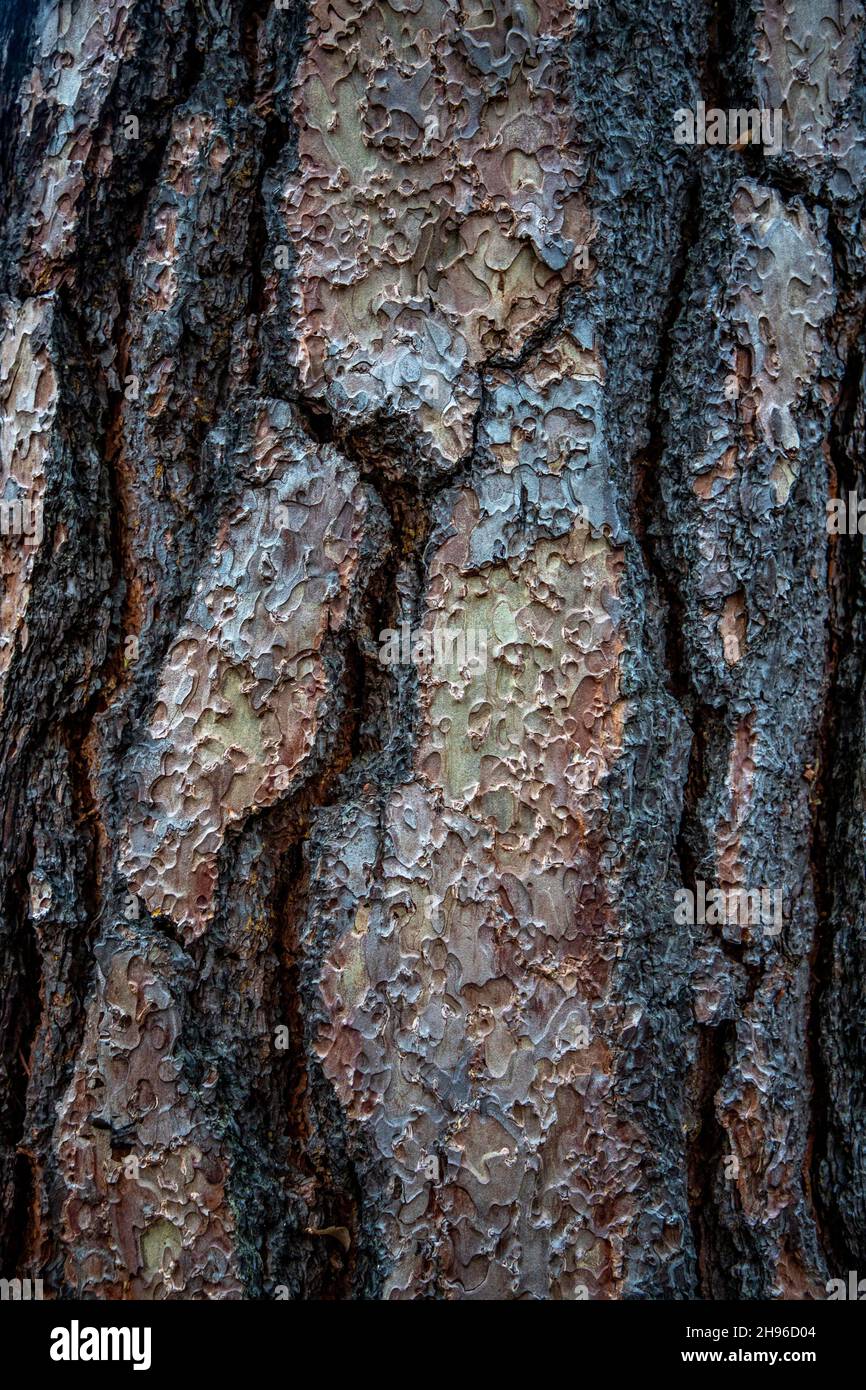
332, 973
831, 795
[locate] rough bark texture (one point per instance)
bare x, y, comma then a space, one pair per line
327, 977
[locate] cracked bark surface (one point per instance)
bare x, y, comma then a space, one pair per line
327, 978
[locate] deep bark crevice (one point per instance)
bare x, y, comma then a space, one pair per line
705, 1147
621, 747
832, 796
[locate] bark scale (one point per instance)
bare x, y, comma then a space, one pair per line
334, 968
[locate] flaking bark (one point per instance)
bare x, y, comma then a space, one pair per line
326, 975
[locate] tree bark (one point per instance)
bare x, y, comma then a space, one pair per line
418, 596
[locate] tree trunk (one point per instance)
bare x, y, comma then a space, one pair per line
432, 692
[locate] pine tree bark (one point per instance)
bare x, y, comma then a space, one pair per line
333, 966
